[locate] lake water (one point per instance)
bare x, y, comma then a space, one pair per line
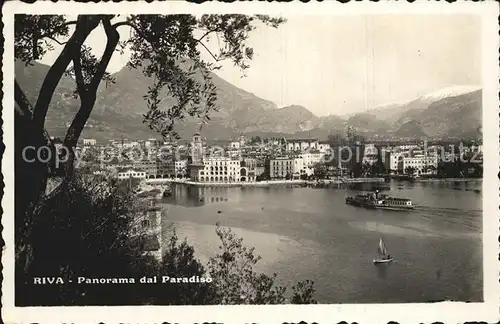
306, 233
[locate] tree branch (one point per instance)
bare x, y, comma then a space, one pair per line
207, 33
22, 101
134, 27
77, 66
55, 40
83, 28
73, 22
209, 52
88, 98
113, 39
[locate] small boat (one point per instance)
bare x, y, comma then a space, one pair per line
385, 257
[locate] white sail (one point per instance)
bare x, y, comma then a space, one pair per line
381, 247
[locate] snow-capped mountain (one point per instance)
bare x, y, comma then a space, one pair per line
452, 91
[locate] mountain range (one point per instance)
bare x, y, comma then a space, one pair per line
453, 112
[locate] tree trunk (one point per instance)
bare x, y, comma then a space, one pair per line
88, 95
30, 137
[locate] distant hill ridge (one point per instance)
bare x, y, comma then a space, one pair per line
451, 112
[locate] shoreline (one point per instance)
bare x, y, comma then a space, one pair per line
269, 183
294, 183
450, 180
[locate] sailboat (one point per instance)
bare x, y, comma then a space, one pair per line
385, 257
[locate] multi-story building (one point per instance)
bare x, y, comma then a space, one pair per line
419, 163
301, 145
172, 168
407, 147
235, 145
89, 142
148, 166
280, 167
298, 168
312, 158
248, 169
164, 169
131, 173
391, 160
324, 147
218, 169
180, 168
152, 142
250, 163
233, 152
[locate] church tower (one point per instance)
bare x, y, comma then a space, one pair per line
197, 149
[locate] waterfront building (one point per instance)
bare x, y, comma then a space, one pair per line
180, 168
218, 169
250, 163
248, 167
312, 158
131, 173
301, 145
172, 168
391, 161
196, 166
148, 166
279, 167
420, 163
298, 168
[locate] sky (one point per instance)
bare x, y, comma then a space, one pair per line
344, 64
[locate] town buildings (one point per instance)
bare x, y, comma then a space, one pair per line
217, 169
300, 145
275, 158
89, 142
131, 173
279, 168
370, 154
324, 147
419, 163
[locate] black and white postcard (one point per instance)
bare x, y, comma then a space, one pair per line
250, 162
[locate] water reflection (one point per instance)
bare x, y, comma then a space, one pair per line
194, 196
382, 270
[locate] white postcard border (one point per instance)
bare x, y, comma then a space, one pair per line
443, 311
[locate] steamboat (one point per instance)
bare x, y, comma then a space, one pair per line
380, 201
